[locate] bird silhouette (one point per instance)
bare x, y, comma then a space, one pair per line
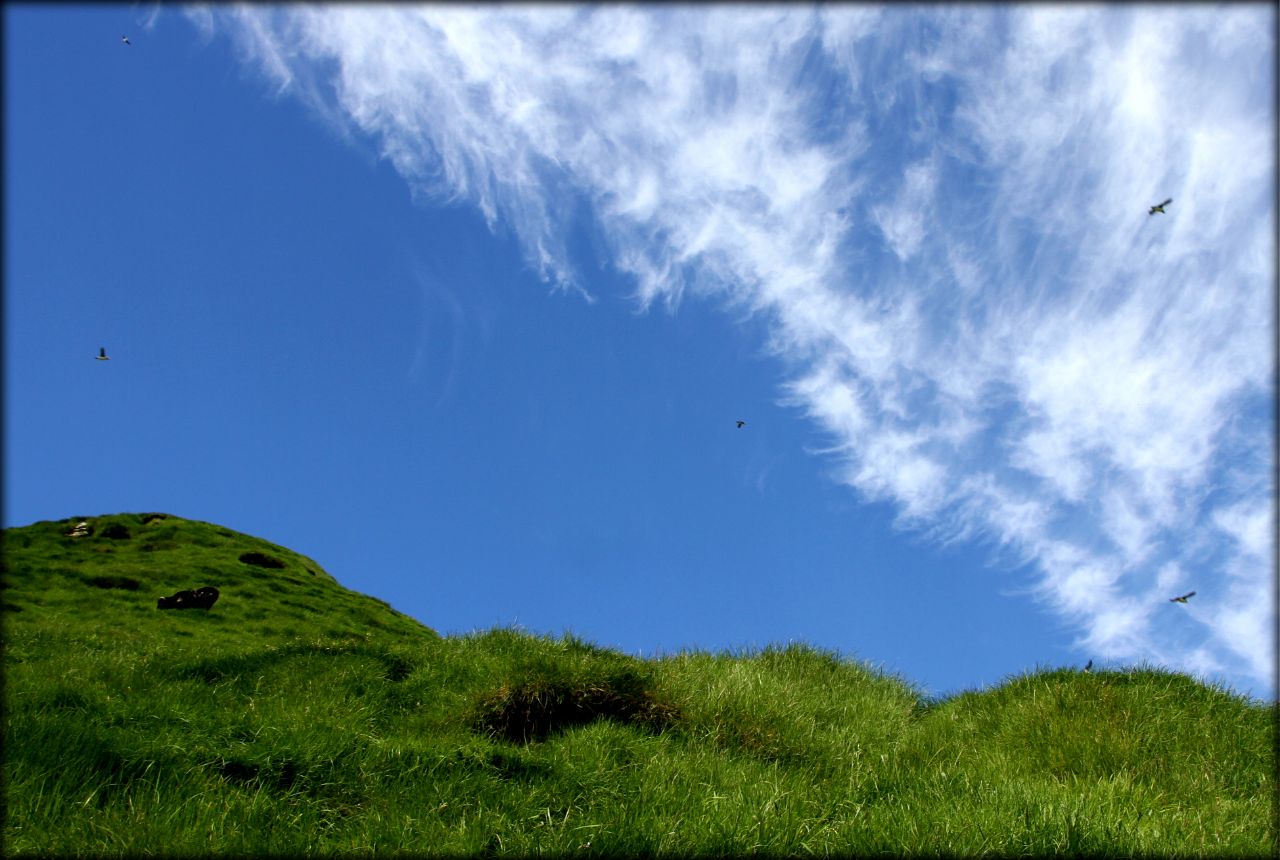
741, 424
1088, 666
1183, 598
125, 39
102, 354
1159, 207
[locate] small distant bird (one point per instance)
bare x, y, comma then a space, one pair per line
102, 354
742, 424
1159, 207
1183, 598
125, 39
1088, 666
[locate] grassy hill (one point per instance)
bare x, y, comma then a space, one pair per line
298, 716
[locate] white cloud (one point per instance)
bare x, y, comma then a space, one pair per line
903, 222
1039, 362
1246, 613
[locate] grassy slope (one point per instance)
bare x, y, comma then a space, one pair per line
299, 716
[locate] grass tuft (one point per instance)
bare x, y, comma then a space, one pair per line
545, 697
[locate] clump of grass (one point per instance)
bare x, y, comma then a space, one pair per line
546, 696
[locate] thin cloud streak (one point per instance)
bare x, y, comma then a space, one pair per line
942, 214
449, 325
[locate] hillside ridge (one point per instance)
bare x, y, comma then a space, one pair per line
296, 716
130, 560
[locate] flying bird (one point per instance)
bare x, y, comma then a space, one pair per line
1159, 207
125, 39
1183, 598
741, 424
1088, 666
102, 354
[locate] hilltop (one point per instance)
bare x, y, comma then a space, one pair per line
298, 716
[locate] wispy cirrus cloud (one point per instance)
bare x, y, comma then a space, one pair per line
942, 216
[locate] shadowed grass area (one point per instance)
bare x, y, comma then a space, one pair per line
549, 695
295, 716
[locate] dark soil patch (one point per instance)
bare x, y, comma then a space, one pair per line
128, 583
261, 560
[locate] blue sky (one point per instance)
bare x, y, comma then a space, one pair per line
464, 304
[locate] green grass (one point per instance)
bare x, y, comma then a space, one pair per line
296, 716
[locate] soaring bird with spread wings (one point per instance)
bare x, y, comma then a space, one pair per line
1183, 598
102, 354
1159, 207
741, 424
125, 40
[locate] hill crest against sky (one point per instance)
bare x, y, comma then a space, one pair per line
295, 716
